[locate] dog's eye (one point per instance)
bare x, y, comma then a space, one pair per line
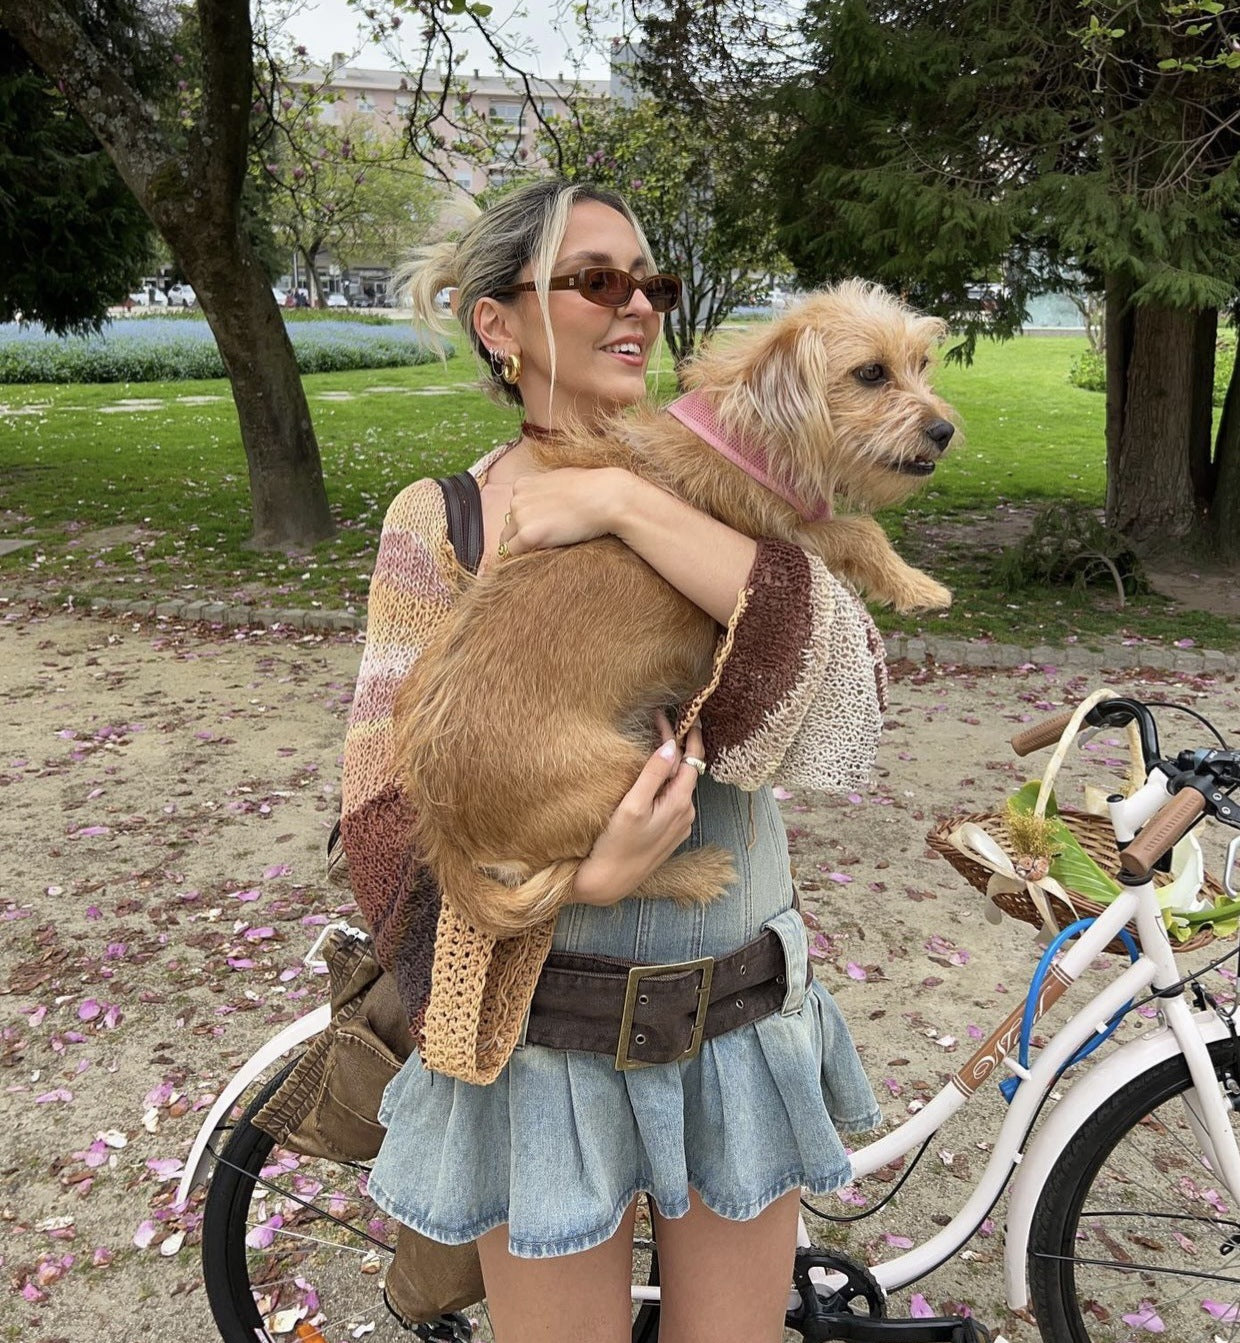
925, 363
871, 373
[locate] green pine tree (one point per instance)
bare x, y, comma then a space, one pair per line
937, 143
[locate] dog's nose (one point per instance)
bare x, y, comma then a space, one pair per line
940, 433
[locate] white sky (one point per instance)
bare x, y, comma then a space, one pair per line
327, 26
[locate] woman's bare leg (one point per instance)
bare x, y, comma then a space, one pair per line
724, 1281
572, 1296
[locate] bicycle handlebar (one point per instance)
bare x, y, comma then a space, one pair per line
1171, 823
1045, 733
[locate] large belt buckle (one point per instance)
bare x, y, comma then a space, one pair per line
705, 964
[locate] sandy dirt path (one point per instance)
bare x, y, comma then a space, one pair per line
166, 796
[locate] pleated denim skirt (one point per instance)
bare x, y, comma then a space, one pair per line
558, 1146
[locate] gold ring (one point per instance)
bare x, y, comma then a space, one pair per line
697, 763
502, 550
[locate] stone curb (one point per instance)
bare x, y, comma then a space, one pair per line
900, 647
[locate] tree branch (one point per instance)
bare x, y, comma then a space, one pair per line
98, 93
227, 91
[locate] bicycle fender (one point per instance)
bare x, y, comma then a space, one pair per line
301, 1030
1086, 1094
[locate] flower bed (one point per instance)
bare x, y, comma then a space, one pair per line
152, 351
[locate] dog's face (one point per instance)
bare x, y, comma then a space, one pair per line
837, 389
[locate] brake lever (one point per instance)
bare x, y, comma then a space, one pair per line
1233, 854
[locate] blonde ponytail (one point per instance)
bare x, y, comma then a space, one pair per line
428, 271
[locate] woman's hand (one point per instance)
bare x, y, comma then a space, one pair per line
564, 506
702, 558
653, 820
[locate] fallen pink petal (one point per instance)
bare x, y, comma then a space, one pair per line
1145, 1317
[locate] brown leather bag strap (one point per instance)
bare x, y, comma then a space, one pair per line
463, 501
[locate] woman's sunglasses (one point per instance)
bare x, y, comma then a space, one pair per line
609, 287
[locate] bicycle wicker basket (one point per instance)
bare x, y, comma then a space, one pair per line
1092, 832
1094, 835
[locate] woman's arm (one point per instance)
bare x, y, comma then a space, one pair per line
408, 596
699, 556
802, 693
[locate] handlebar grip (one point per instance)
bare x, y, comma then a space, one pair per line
1045, 733
1161, 831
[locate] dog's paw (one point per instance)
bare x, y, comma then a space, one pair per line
921, 594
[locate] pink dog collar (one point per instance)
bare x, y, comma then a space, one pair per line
697, 414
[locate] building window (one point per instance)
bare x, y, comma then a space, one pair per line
509, 112
464, 180
403, 104
364, 103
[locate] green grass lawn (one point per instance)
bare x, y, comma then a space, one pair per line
73, 464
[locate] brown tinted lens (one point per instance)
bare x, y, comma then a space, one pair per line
612, 288
663, 291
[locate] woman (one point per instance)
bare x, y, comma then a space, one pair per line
558, 294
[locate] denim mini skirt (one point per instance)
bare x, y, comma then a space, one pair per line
561, 1142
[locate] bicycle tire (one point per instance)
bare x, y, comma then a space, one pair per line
1129, 1227
227, 1221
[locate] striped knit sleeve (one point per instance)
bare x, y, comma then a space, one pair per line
410, 592
802, 694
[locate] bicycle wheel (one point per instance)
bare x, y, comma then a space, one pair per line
1132, 1235
289, 1239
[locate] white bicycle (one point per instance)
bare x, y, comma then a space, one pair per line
1124, 1205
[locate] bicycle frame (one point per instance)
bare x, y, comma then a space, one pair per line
1184, 1032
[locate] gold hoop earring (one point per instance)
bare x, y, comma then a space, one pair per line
510, 368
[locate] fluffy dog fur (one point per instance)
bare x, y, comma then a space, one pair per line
528, 718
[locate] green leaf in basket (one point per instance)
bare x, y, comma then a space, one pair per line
1224, 910
1026, 797
1176, 926
1076, 871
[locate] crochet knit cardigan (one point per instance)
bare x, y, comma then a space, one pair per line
800, 697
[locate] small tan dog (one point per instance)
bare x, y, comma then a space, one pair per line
528, 718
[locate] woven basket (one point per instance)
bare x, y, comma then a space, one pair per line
1093, 833
1097, 839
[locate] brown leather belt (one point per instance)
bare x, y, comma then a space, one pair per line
644, 1014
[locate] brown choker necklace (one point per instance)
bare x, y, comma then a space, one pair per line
529, 430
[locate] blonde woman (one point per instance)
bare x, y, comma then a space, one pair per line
539, 1152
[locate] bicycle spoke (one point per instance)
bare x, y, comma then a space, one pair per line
1150, 1248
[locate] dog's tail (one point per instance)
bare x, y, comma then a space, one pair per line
497, 907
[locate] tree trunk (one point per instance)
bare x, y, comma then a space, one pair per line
1119, 325
1150, 496
310, 254
1225, 506
288, 499
193, 196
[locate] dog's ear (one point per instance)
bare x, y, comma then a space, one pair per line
782, 388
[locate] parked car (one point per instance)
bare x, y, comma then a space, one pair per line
280, 297
986, 296
337, 301
149, 298
182, 295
